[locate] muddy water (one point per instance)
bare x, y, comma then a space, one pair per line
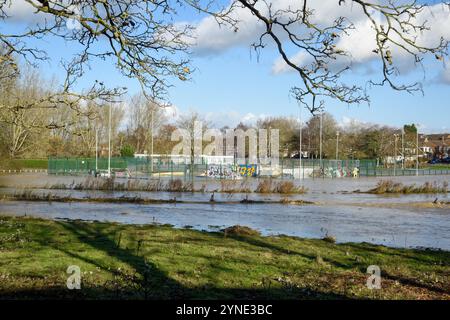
339, 213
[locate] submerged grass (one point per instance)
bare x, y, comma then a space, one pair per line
389, 186
282, 187
30, 195
110, 184
178, 185
158, 262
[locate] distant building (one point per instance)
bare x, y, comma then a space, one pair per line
436, 145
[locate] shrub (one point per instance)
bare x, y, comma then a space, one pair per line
264, 186
240, 231
176, 185
127, 151
389, 186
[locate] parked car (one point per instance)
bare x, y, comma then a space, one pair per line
434, 161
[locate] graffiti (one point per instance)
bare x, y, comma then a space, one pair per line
221, 172
340, 172
248, 170
231, 171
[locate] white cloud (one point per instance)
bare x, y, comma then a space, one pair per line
359, 42
444, 76
353, 124
232, 118
21, 11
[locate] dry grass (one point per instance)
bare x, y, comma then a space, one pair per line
282, 187
232, 186
109, 184
389, 186
264, 186
240, 231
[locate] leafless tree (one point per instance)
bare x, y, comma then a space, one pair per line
396, 29
145, 42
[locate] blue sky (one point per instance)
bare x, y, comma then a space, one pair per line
230, 84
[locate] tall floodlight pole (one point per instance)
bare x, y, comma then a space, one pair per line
301, 140
109, 143
321, 137
337, 145
151, 148
395, 153
96, 150
417, 150
403, 148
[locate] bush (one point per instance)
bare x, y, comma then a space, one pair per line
283, 187
240, 231
127, 151
264, 186
389, 186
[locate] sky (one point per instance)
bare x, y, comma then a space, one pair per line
231, 84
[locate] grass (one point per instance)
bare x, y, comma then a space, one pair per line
18, 164
282, 187
389, 186
178, 185
159, 262
30, 195
110, 184
438, 167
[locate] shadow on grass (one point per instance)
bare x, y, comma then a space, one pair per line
148, 281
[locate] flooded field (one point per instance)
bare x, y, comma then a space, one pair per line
392, 220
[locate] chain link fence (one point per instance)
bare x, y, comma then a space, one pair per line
285, 169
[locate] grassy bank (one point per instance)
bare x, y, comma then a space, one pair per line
122, 261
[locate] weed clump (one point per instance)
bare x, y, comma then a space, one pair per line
282, 187
264, 186
240, 231
389, 186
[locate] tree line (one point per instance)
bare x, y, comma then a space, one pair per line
140, 126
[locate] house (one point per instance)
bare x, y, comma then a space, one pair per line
436, 145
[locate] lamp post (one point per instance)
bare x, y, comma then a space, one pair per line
417, 150
337, 145
395, 153
151, 148
109, 143
403, 148
321, 137
96, 151
301, 140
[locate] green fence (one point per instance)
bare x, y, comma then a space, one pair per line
286, 168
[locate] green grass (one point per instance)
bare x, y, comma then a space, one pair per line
18, 164
160, 262
438, 167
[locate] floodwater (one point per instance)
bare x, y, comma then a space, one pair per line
350, 217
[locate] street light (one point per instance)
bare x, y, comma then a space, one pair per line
109, 143
417, 149
321, 137
96, 151
337, 145
151, 149
395, 153
403, 148
301, 140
